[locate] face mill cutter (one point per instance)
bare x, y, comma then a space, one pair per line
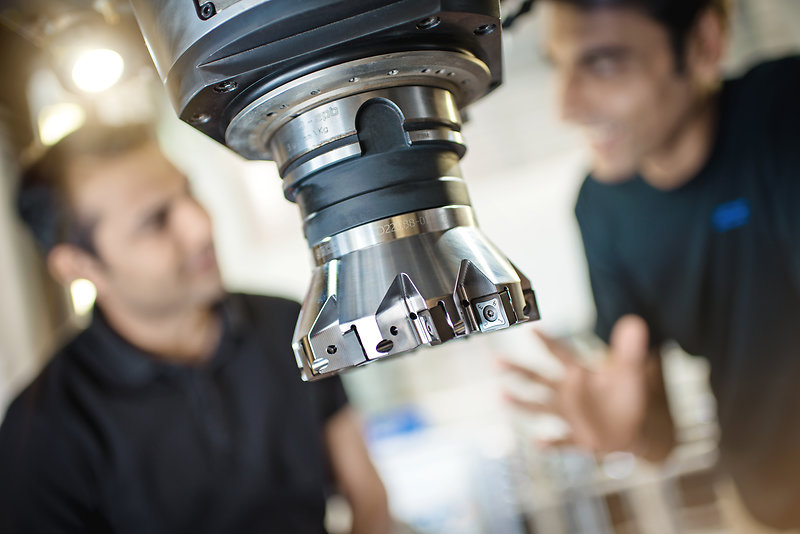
358, 102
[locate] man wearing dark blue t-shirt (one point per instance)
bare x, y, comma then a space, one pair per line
691, 226
180, 408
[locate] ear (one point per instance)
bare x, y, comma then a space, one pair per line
67, 263
707, 47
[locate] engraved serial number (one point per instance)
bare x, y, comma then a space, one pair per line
405, 224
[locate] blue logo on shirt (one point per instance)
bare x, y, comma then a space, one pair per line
733, 214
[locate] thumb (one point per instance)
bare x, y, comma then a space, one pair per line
630, 340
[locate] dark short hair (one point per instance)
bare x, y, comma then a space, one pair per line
43, 199
676, 16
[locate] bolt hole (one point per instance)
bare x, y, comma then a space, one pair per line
284, 106
393, 72
315, 92
440, 71
465, 303
451, 74
354, 79
331, 349
393, 330
428, 23
526, 310
413, 316
425, 70
271, 114
485, 29
207, 10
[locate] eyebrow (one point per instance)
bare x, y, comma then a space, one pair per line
589, 55
603, 52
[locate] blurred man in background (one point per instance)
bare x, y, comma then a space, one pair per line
691, 226
180, 408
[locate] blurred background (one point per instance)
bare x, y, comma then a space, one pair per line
454, 457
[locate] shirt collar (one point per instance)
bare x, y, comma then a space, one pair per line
117, 360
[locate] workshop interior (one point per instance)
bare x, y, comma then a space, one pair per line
266, 105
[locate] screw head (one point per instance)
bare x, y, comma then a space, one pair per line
331, 349
320, 364
489, 313
226, 86
207, 11
199, 118
385, 346
485, 29
428, 23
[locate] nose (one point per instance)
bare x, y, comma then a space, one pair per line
193, 224
570, 100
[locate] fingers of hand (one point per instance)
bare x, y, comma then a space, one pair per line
566, 441
558, 349
630, 340
532, 406
528, 374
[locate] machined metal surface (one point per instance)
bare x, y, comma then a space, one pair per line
217, 56
252, 132
431, 111
391, 228
359, 103
414, 290
327, 134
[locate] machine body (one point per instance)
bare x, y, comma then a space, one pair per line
358, 102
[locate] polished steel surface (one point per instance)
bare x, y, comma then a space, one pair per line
171, 27
421, 288
391, 228
392, 285
466, 78
336, 119
327, 134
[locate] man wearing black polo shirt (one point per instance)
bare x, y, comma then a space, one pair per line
180, 408
691, 226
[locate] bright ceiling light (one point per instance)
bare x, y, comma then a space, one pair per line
97, 70
58, 120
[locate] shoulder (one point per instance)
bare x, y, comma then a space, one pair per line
266, 304
781, 74
766, 95
49, 456
588, 195
766, 104
266, 308
50, 398
46, 425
